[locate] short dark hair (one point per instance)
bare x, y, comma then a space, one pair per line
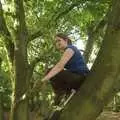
64, 37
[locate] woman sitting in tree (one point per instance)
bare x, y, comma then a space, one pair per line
71, 69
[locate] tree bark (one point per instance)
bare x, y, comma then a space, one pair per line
93, 30
19, 110
101, 84
89, 45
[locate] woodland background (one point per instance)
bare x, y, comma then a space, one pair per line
27, 31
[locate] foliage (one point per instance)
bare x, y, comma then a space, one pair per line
5, 90
47, 17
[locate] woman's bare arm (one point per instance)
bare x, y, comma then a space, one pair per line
60, 65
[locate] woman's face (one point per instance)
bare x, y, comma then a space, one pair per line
61, 43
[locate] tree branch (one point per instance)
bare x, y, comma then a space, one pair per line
35, 35
5, 32
54, 20
66, 11
92, 30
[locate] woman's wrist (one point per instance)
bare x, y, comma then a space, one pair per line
44, 79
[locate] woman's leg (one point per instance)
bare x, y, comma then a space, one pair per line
58, 86
70, 80
64, 81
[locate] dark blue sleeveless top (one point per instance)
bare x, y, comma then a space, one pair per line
76, 64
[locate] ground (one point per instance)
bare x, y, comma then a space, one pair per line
109, 115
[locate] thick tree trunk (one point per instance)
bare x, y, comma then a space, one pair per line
19, 109
103, 80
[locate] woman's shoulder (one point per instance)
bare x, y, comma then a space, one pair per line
71, 46
74, 48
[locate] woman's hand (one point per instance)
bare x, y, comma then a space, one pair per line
38, 84
44, 80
